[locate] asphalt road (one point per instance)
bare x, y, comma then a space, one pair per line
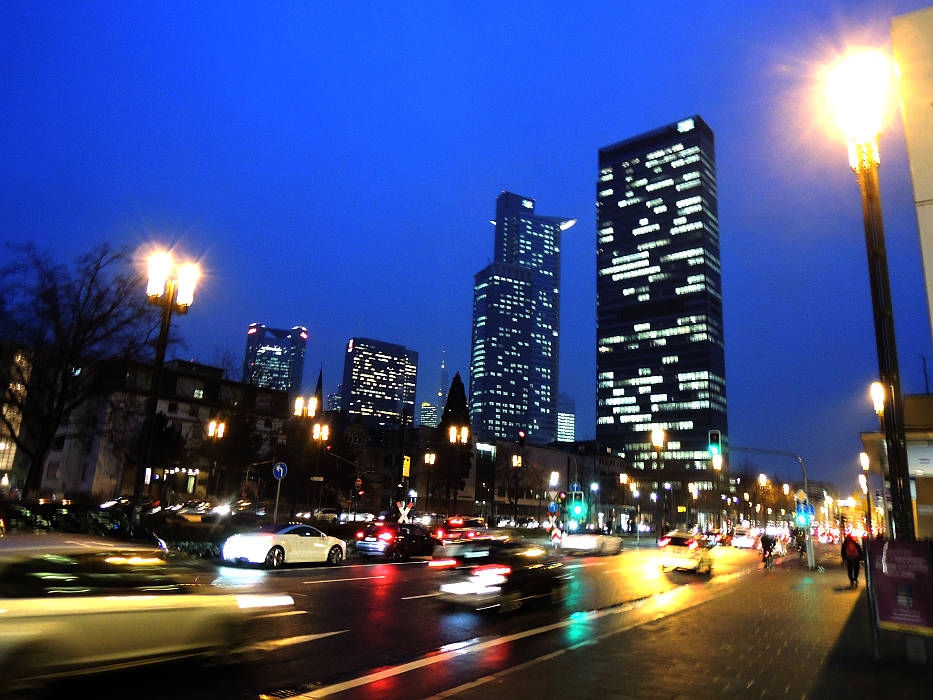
376, 630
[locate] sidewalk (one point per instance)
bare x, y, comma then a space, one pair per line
789, 633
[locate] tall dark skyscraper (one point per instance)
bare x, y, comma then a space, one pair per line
275, 358
379, 382
516, 326
660, 358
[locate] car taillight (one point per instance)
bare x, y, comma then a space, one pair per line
456, 521
359, 535
693, 544
663, 541
439, 534
492, 570
442, 562
471, 534
386, 536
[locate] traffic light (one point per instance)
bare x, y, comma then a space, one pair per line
521, 437
803, 515
577, 504
714, 443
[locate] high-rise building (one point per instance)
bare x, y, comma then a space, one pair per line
516, 326
379, 382
566, 419
912, 39
333, 400
275, 359
431, 410
660, 357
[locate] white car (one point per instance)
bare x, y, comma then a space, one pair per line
78, 605
591, 543
684, 550
743, 539
292, 543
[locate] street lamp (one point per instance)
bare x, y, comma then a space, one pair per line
858, 88
306, 409
215, 432
171, 288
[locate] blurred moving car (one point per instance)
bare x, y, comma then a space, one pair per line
509, 575
591, 543
325, 515
395, 540
356, 517
743, 539
79, 605
684, 550
459, 527
284, 543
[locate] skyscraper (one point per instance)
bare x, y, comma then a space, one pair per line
431, 410
566, 418
275, 358
660, 360
379, 382
516, 326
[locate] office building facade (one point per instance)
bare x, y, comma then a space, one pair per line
516, 326
275, 359
566, 419
379, 382
660, 357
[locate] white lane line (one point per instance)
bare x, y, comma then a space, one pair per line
283, 614
271, 644
334, 580
426, 595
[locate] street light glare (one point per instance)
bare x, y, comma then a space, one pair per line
187, 279
877, 397
863, 460
857, 88
160, 265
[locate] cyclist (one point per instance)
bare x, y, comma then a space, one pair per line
767, 549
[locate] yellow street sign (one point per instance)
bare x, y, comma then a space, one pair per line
406, 466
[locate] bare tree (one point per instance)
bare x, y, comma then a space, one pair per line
57, 323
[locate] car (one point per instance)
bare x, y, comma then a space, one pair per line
743, 539
459, 527
507, 576
325, 515
685, 550
395, 540
591, 543
82, 605
278, 544
356, 517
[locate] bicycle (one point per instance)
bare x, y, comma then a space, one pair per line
769, 561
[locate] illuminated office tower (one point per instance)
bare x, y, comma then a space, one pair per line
275, 359
431, 410
379, 382
660, 359
516, 326
566, 419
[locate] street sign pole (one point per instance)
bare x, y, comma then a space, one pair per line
278, 471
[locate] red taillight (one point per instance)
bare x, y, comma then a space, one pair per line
663, 541
386, 536
442, 562
439, 534
471, 534
693, 544
359, 535
492, 570
455, 521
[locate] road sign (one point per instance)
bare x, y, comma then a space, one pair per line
575, 486
279, 470
358, 483
552, 493
552, 507
406, 466
801, 495
317, 478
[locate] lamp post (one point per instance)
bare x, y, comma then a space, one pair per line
215, 433
172, 289
657, 442
457, 435
877, 399
864, 483
858, 87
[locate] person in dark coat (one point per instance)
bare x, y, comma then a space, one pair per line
852, 556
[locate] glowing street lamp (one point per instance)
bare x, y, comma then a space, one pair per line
762, 480
305, 409
858, 90
863, 460
171, 288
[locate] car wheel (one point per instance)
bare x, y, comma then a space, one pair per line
20, 670
399, 554
510, 602
335, 556
275, 558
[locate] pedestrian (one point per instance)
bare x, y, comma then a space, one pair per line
852, 556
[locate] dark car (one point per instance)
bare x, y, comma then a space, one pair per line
504, 576
395, 540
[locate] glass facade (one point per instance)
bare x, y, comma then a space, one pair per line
275, 359
516, 326
660, 355
566, 419
379, 382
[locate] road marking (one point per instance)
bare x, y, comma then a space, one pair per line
272, 644
590, 563
426, 595
283, 614
334, 580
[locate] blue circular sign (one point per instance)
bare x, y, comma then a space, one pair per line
552, 507
279, 470
575, 486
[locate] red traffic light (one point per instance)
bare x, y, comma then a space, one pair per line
361, 492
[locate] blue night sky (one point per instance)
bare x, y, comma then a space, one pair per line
337, 167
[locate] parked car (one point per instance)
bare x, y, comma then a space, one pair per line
395, 540
82, 605
284, 543
325, 515
685, 550
509, 575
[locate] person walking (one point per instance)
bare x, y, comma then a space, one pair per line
852, 556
